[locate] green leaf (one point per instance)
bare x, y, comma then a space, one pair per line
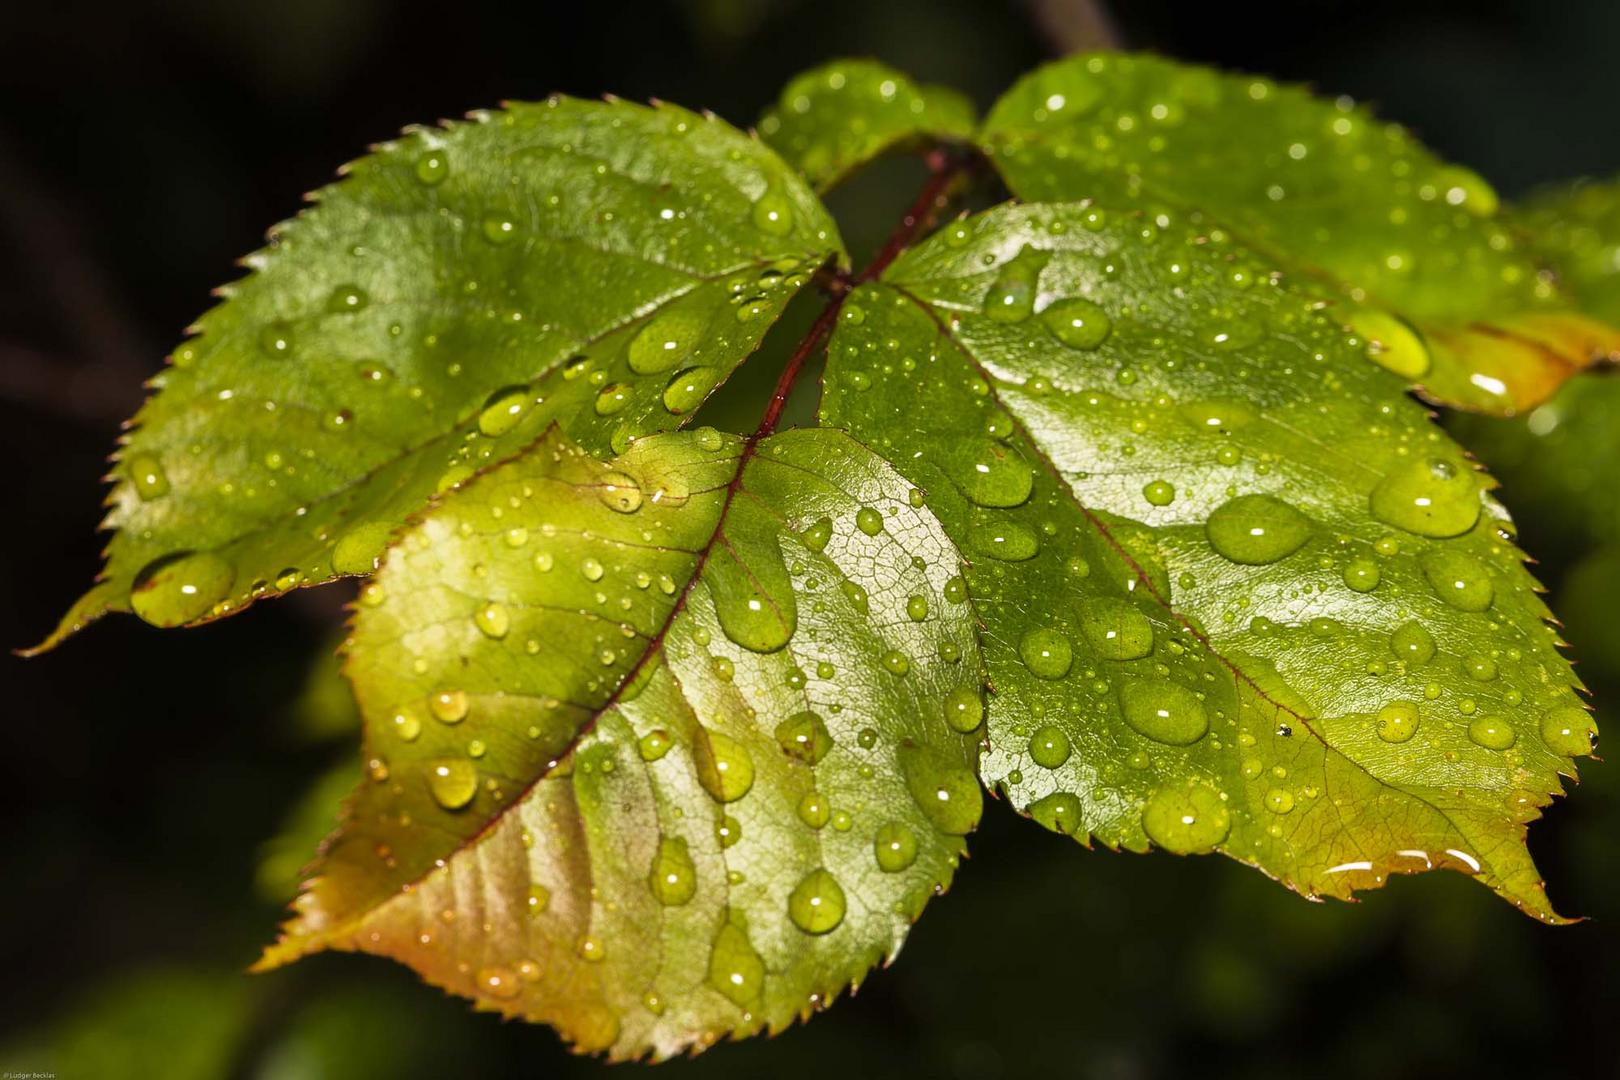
601, 266
1238, 592
1578, 227
1414, 250
659, 748
832, 120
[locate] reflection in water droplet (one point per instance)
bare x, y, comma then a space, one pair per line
1429, 497
146, 473
688, 388
804, 736
735, 968
995, 475
665, 341
503, 410
773, 214
619, 492
964, 709
1049, 746
1412, 643
895, 847
453, 782
493, 620
178, 589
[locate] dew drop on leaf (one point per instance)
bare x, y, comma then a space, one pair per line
146, 473
503, 410
1163, 711
1460, 580
964, 709
1413, 643
1256, 529
1077, 323
995, 476
450, 706
493, 620
1492, 732
1432, 498
673, 877
1008, 541
1046, 653
724, 766
1188, 820
181, 588
619, 492
1398, 721
817, 903
1049, 746
773, 214
1115, 629
356, 551
688, 388
735, 968
453, 782
1569, 731
869, 521
895, 847
664, 342
804, 736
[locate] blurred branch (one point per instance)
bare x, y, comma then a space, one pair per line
1072, 26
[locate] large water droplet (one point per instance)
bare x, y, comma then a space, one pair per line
816, 535
1256, 529
673, 878
146, 473
817, 903
665, 341
1046, 653
1012, 297
688, 388
1059, 811
724, 766
1189, 820
1413, 643
753, 620
1398, 721
996, 476
1115, 629
1569, 730
1006, 540
1164, 711
503, 410
773, 214
356, 550
1391, 342
493, 620
895, 847
181, 588
1429, 497
1049, 746
453, 782
804, 736
1492, 732
1077, 323
948, 795
619, 492
964, 709
735, 968
1461, 580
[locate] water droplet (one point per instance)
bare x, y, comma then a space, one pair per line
895, 847
665, 341
493, 620
181, 588
503, 410
814, 809
432, 167
1568, 730
855, 593
948, 795
773, 214
591, 569
619, 492
964, 709
1391, 343
753, 620
1479, 668
357, 550
347, 299
735, 968
688, 388
1279, 800
654, 745
499, 228
1012, 297
453, 782
917, 608
869, 521
1164, 711
1059, 812
1007, 541
956, 590
1115, 629
612, 399
146, 473
1362, 575
1188, 820
1256, 529
1046, 653
276, 339
1049, 746
895, 662
1398, 721
539, 899
498, 982
724, 766
1412, 643
1428, 497
1491, 732
1159, 492
1460, 580
1077, 323
816, 904
407, 726
727, 831
816, 534
673, 878
804, 736
996, 476
450, 706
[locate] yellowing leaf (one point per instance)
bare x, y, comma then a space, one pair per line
659, 748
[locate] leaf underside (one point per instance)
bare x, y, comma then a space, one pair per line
658, 747
598, 265
1238, 592
833, 119
1414, 250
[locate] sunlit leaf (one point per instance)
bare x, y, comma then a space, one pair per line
601, 266
659, 749
833, 119
1412, 248
1238, 592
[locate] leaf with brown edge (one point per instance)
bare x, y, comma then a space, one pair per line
1239, 593
1412, 249
659, 748
599, 265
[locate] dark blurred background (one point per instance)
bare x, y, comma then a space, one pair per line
157, 781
